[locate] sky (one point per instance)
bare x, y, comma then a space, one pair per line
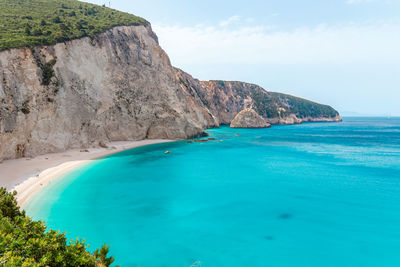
345, 53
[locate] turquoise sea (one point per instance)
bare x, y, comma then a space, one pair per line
316, 194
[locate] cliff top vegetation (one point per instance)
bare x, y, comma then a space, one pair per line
303, 107
268, 104
29, 23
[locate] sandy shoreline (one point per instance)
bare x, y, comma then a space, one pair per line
28, 175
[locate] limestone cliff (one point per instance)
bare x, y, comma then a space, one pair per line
225, 99
117, 86
248, 118
120, 85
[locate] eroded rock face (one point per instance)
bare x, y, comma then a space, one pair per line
225, 99
118, 86
248, 118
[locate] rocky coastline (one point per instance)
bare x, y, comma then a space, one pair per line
120, 86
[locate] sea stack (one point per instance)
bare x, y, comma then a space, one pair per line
249, 118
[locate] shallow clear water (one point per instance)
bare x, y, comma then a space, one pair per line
321, 194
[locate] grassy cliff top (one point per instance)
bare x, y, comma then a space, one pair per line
29, 23
305, 108
267, 104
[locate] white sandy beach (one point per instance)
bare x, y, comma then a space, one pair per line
28, 175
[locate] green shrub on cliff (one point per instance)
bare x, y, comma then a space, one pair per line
42, 22
24, 242
303, 107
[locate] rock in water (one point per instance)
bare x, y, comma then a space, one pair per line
248, 118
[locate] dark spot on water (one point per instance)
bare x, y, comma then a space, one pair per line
285, 216
269, 237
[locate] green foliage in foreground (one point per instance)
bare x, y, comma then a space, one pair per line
24, 242
42, 22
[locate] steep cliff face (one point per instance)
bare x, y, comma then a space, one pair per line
117, 86
120, 85
225, 99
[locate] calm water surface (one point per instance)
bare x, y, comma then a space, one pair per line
321, 194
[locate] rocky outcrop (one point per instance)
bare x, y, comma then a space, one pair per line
337, 118
248, 118
225, 99
117, 86
120, 85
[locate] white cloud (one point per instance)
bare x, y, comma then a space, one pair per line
254, 45
229, 21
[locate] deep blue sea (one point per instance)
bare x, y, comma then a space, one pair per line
316, 194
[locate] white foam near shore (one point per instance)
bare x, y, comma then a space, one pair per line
28, 175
